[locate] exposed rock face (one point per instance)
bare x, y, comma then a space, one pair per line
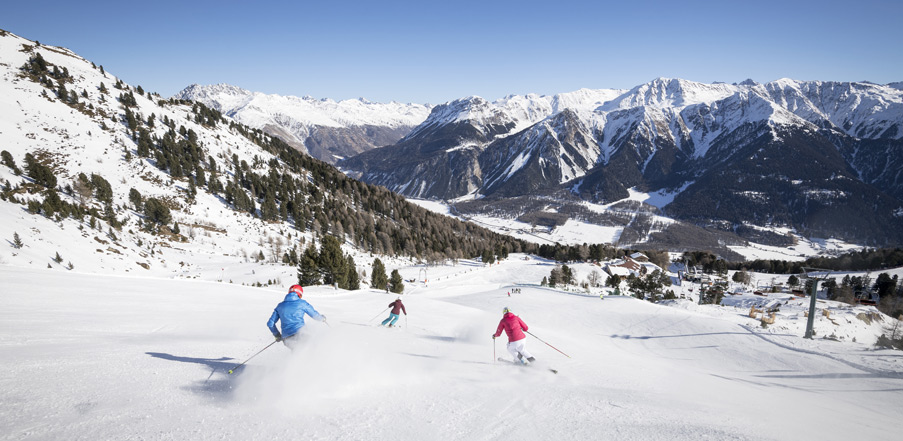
813, 156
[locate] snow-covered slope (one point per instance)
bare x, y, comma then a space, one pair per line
113, 357
126, 334
92, 138
92, 134
312, 124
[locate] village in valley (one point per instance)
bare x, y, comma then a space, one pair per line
774, 303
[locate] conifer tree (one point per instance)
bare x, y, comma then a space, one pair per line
567, 275
61, 91
192, 189
308, 269
488, 257
378, 278
156, 211
17, 241
42, 174
135, 198
103, 191
7, 160
555, 277
396, 284
353, 278
332, 262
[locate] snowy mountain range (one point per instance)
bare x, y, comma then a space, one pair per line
813, 156
327, 130
147, 241
538, 160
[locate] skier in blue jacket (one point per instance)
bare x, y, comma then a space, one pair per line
291, 312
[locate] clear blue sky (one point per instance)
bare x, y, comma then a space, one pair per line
431, 52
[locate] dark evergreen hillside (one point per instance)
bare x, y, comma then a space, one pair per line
864, 260
799, 180
329, 202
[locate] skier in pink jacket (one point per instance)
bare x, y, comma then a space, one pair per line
517, 341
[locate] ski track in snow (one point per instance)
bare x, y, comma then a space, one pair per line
103, 357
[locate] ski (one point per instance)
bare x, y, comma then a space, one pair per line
522, 364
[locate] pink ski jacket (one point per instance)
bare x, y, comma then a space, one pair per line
513, 326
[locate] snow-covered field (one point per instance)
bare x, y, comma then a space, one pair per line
93, 356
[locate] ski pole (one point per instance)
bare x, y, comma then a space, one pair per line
553, 347
377, 315
249, 358
493, 350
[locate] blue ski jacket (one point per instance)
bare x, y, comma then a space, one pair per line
291, 312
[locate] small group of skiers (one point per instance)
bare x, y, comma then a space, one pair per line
515, 290
291, 311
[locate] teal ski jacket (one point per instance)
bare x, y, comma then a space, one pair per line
291, 312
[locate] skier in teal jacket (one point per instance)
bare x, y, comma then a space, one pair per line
291, 313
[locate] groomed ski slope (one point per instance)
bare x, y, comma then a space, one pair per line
90, 357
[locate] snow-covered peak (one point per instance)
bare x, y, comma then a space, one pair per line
222, 97
258, 109
669, 92
521, 110
584, 99
863, 110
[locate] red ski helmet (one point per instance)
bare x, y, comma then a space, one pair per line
297, 289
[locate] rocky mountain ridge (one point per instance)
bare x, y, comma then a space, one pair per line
672, 134
326, 129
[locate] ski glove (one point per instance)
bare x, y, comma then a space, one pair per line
278, 337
